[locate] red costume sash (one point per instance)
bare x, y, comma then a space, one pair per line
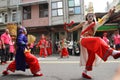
88, 28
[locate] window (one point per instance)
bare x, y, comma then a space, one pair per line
54, 5
74, 6
71, 3
59, 5
43, 8
57, 9
27, 12
6, 16
77, 2
0, 17
77, 10
14, 15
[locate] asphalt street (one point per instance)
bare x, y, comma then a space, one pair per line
55, 68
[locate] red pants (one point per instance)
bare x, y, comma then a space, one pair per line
49, 51
31, 60
95, 45
64, 52
43, 52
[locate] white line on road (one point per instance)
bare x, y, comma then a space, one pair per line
69, 62
74, 62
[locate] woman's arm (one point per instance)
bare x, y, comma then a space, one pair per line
105, 18
76, 27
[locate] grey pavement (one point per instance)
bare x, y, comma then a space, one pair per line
55, 68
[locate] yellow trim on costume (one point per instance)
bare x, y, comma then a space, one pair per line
100, 21
27, 51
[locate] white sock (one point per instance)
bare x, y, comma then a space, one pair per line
39, 72
85, 71
115, 52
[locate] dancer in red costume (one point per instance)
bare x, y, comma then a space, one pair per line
42, 44
93, 47
49, 46
23, 58
63, 47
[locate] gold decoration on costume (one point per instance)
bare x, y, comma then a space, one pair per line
31, 39
27, 50
90, 8
12, 29
100, 21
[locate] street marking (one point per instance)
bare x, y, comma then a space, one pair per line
60, 62
112, 62
69, 62
72, 62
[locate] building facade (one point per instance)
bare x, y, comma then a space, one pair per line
43, 16
49, 16
9, 12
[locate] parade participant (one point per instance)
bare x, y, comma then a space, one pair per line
2, 55
6, 38
70, 47
92, 47
116, 40
23, 59
42, 45
49, 46
12, 50
105, 38
63, 47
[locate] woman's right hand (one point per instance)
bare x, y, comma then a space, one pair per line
111, 11
68, 25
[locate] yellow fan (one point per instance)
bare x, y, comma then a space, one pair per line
31, 38
12, 29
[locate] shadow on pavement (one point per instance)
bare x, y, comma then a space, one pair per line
82, 79
16, 76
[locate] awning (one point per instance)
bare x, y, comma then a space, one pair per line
33, 2
108, 28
